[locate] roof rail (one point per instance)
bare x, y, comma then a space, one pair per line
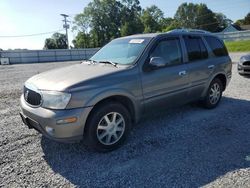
188, 30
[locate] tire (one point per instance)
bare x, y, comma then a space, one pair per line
214, 94
103, 132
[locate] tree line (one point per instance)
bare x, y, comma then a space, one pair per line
104, 20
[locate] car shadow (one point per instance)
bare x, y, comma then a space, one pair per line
183, 147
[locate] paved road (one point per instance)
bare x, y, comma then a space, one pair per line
183, 147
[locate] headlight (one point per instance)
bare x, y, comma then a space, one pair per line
241, 60
55, 99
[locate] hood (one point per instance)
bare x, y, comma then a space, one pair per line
62, 78
245, 57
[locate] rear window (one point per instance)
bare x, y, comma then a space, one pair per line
195, 48
217, 46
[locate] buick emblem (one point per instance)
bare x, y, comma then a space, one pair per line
26, 94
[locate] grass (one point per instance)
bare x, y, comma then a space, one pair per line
238, 46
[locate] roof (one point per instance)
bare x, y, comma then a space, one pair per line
175, 31
231, 28
149, 35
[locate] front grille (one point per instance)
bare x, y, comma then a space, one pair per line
32, 97
247, 63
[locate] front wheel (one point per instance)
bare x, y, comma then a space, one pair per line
108, 126
214, 94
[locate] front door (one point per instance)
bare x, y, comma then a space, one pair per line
168, 85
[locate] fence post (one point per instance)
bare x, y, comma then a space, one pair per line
55, 55
70, 55
38, 56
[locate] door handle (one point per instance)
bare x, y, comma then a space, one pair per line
210, 67
182, 73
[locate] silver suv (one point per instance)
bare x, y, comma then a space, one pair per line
100, 99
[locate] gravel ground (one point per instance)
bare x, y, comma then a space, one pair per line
183, 147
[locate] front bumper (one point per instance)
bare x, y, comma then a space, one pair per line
243, 69
45, 121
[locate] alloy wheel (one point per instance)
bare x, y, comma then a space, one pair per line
214, 94
110, 128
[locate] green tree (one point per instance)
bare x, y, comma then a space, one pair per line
240, 22
223, 21
57, 41
171, 26
166, 23
102, 18
206, 19
247, 19
152, 19
82, 40
130, 17
186, 15
50, 44
81, 23
196, 16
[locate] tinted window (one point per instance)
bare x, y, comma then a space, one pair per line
217, 46
169, 50
204, 53
195, 48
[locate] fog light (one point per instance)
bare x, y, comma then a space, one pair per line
66, 120
49, 130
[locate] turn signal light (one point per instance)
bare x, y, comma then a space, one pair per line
66, 120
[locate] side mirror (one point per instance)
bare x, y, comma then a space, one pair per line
157, 62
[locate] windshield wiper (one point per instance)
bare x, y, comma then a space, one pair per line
106, 62
91, 61
109, 62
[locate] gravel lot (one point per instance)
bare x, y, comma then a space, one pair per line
183, 147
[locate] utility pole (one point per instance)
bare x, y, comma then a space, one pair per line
66, 27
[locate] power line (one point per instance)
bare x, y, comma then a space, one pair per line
30, 35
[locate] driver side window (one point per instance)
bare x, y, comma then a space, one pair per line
169, 50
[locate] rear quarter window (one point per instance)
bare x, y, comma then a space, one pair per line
216, 46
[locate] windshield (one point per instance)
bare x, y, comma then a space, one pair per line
121, 51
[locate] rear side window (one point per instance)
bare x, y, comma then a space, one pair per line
195, 48
217, 46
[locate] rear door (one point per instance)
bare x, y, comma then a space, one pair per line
220, 59
199, 69
165, 86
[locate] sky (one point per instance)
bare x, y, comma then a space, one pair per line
25, 17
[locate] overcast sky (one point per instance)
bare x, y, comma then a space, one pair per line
24, 17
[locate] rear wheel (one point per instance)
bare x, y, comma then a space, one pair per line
108, 126
214, 94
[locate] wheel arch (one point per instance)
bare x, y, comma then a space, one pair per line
124, 100
222, 77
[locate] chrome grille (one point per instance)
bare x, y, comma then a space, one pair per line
31, 97
247, 63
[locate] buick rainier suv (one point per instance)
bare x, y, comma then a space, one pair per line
100, 99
